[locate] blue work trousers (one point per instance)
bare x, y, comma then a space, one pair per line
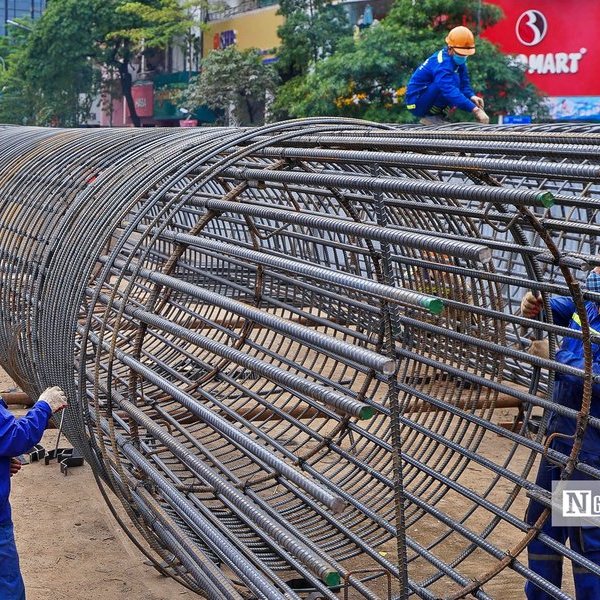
548, 563
430, 102
11, 582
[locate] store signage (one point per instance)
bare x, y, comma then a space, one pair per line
531, 27
223, 39
516, 120
560, 49
143, 98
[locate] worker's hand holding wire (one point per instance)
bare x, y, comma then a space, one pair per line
531, 305
481, 115
55, 398
479, 102
15, 466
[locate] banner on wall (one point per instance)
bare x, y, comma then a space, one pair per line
567, 108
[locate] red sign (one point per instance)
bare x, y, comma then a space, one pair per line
143, 98
558, 41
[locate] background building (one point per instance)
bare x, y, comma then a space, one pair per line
246, 23
19, 9
254, 23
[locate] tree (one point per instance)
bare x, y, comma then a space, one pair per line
56, 68
17, 101
366, 77
140, 26
311, 31
77, 43
178, 22
232, 80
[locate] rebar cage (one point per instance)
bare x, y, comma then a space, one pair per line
295, 353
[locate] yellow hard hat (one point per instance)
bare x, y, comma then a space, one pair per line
461, 40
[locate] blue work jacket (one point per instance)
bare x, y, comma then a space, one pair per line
18, 435
568, 390
451, 82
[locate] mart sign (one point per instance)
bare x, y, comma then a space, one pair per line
560, 49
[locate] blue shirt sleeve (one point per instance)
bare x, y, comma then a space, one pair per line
446, 81
465, 82
17, 435
562, 310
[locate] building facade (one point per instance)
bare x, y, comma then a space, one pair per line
247, 24
254, 23
19, 9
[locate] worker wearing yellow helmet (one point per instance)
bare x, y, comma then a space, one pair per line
443, 82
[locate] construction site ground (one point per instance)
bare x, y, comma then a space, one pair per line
71, 547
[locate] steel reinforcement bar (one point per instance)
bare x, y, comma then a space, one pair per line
294, 354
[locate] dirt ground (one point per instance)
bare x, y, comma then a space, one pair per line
70, 546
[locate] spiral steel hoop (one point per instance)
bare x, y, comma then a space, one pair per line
292, 352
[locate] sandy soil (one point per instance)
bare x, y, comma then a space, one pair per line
70, 546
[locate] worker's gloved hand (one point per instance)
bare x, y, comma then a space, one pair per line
15, 466
478, 102
55, 398
531, 305
481, 115
539, 348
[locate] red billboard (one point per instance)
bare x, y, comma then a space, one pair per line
558, 40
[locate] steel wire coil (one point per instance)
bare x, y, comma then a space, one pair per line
294, 353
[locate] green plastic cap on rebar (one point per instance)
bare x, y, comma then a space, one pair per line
366, 412
434, 305
332, 579
546, 198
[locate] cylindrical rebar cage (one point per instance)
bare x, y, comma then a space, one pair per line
295, 353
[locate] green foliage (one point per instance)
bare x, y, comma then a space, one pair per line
426, 16
58, 68
232, 79
59, 63
311, 31
16, 100
366, 77
157, 24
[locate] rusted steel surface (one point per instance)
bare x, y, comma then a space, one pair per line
286, 348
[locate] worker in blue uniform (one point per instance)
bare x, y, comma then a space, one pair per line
443, 82
568, 391
17, 436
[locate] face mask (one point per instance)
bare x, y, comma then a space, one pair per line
592, 283
460, 60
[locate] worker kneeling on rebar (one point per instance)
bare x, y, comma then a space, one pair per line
568, 391
442, 82
17, 436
